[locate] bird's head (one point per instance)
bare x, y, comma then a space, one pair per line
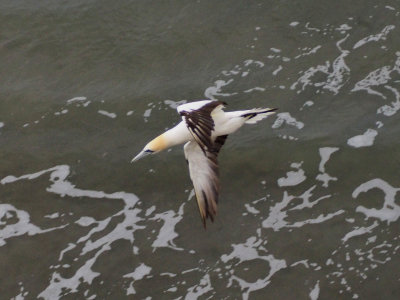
154, 146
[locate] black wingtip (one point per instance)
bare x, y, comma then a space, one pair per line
204, 224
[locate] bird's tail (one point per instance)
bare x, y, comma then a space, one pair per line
257, 114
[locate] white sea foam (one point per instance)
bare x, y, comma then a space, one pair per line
53, 216
359, 231
251, 209
174, 104
81, 255
244, 70
306, 79
308, 103
378, 77
325, 154
340, 73
375, 37
85, 221
123, 230
147, 113
364, 140
62, 112
311, 28
257, 88
214, 91
150, 210
235, 71
279, 212
249, 251
293, 177
285, 117
389, 110
394, 107
344, 27
76, 99
58, 284
139, 273
200, 289
167, 232
16, 222
308, 51
314, 293
337, 73
107, 114
288, 137
277, 70
390, 211
258, 63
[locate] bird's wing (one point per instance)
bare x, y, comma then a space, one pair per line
202, 153
199, 121
203, 170
219, 142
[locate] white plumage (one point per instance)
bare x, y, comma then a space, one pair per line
204, 129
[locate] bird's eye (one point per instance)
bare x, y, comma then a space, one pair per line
149, 151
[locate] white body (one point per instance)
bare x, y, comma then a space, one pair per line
225, 123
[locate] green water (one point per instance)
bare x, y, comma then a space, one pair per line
309, 205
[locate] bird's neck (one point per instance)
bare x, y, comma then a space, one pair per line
176, 135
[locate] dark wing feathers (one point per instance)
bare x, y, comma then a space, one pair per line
219, 142
201, 124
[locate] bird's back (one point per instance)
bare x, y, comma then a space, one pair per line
227, 122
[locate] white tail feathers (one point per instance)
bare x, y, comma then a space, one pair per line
257, 114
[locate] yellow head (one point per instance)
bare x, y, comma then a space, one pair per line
154, 146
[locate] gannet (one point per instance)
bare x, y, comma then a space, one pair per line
204, 129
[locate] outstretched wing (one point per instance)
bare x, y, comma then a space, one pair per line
203, 172
202, 153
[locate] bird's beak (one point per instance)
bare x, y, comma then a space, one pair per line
140, 155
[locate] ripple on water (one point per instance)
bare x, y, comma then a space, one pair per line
339, 242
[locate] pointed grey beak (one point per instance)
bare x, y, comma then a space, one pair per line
140, 155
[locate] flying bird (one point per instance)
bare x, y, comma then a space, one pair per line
204, 129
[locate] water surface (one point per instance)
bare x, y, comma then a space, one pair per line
309, 206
